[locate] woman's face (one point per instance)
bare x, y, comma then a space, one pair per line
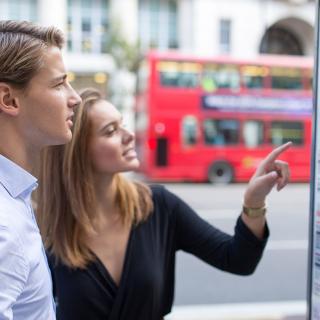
111, 146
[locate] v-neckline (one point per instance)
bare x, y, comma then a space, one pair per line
125, 262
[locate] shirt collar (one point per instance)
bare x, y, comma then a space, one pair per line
16, 180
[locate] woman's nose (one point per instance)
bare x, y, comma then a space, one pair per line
128, 136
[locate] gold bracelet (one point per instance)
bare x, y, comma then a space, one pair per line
254, 212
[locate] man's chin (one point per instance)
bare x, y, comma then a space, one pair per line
60, 140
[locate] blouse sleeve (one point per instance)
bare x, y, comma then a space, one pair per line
239, 254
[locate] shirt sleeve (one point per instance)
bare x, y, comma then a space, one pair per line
13, 271
51, 264
239, 254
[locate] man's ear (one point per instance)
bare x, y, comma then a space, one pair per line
8, 100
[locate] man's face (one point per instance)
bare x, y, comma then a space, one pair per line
46, 108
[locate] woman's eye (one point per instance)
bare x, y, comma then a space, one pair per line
111, 131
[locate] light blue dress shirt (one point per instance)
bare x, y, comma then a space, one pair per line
25, 281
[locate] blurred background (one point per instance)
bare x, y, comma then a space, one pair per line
108, 38
209, 87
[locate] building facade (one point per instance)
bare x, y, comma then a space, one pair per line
247, 27
241, 28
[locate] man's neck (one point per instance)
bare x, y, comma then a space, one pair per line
22, 160
13, 147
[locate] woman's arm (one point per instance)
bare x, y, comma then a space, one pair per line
271, 172
238, 253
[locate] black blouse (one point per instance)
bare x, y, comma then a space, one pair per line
146, 287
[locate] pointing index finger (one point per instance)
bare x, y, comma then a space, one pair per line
274, 154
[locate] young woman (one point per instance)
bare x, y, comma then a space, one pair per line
112, 242
36, 108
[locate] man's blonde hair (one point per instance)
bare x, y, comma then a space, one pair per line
22, 45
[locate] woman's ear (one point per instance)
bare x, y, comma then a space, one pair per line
8, 100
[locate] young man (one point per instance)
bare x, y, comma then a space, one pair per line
36, 109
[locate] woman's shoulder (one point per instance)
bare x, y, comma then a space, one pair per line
156, 189
162, 197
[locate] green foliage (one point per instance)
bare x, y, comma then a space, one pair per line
126, 54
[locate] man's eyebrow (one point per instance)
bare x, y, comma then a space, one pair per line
58, 79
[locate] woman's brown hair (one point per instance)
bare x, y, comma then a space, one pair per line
66, 203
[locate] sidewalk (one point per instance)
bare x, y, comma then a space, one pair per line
284, 310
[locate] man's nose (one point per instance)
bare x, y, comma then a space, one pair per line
75, 99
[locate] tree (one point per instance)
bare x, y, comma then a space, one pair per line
122, 84
126, 54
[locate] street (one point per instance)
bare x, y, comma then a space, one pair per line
282, 273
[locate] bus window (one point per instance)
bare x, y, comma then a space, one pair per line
286, 78
284, 131
179, 74
309, 83
223, 76
221, 132
308, 79
253, 76
189, 130
252, 133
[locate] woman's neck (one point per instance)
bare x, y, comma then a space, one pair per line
105, 189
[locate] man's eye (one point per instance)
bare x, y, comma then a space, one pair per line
59, 85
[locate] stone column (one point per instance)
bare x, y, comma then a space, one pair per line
126, 12
53, 13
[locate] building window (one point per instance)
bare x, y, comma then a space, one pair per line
19, 10
88, 22
158, 24
225, 36
279, 40
173, 25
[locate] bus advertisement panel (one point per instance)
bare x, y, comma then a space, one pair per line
200, 119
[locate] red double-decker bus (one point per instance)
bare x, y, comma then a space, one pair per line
214, 119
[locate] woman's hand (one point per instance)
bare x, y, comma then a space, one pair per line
269, 173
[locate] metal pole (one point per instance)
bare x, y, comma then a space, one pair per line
313, 304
